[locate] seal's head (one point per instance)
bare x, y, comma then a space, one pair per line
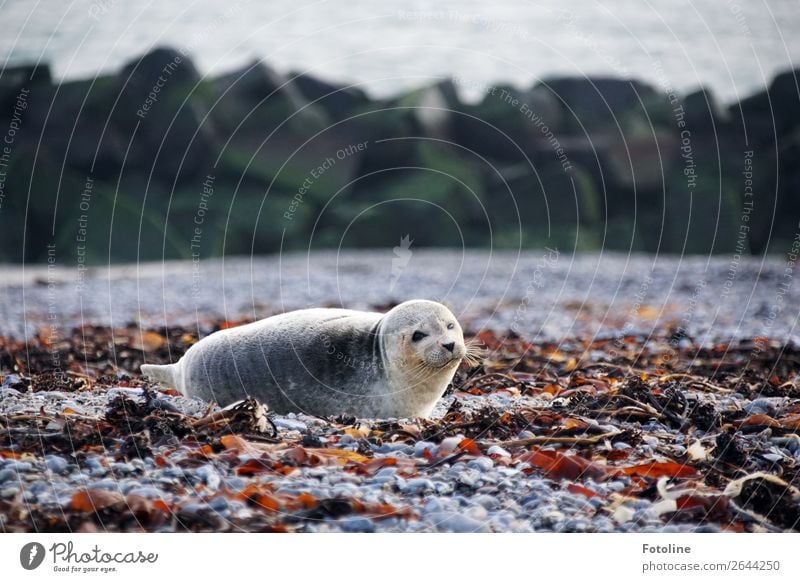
424, 336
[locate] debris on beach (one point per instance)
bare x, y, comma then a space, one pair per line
629, 433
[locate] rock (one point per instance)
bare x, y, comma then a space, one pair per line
235, 483
291, 424
785, 99
704, 112
415, 486
210, 476
498, 451
456, 523
487, 501
449, 445
482, 464
8, 492
258, 100
501, 126
591, 103
18, 85
432, 108
148, 492
357, 525
18, 466
219, 504
421, 446
7, 475
56, 464
122, 468
10, 380
469, 478
338, 101
159, 93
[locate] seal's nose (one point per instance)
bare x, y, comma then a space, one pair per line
449, 347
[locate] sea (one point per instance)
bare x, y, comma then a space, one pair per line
733, 47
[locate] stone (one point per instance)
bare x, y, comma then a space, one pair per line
456, 523
56, 464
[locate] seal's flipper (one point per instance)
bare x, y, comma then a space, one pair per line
165, 375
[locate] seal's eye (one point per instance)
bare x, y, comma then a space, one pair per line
451, 325
418, 335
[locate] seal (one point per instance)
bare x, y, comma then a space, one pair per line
328, 362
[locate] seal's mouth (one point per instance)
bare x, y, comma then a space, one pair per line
437, 365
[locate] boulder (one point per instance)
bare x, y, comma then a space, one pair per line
704, 112
505, 124
256, 101
338, 101
784, 93
593, 103
161, 100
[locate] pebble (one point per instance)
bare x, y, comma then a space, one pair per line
449, 444
220, 504
210, 476
766, 406
11, 380
482, 464
7, 475
487, 501
19, 466
56, 464
415, 486
498, 450
235, 483
8, 492
122, 468
443, 487
469, 478
121, 391
357, 525
94, 463
147, 492
477, 512
457, 523
290, 424
421, 446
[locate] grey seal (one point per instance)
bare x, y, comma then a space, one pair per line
328, 362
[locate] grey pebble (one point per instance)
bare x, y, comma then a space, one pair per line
290, 424
357, 525
456, 523
147, 492
9, 492
7, 475
210, 477
487, 501
19, 466
235, 483
416, 486
122, 468
421, 446
56, 464
482, 464
469, 478
219, 504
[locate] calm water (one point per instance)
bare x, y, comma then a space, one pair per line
733, 46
